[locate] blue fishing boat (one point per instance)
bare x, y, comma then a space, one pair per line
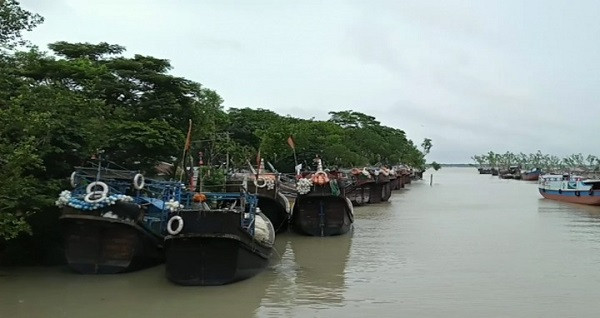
570, 188
114, 220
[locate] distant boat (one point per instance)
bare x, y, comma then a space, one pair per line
359, 186
573, 189
113, 220
217, 239
380, 190
531, 175
484, 170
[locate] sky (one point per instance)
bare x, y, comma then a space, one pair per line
473, 76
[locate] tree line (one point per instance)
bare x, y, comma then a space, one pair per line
58, 108
546, 162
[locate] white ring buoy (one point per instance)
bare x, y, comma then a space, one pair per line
179, 225
264, 182
73, 181
139, 181
91, 197
91, 186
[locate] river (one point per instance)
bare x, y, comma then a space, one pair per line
469, 246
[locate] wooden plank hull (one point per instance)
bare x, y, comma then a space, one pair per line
276, 211
212, 249
198, 260
97, 245
358, 195
325, 215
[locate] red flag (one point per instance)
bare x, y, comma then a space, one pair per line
291, 142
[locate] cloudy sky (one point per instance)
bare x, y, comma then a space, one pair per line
473, 76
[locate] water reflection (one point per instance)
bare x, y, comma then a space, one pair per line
311, 274
57, 292
583, 221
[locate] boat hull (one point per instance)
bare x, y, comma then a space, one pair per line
530, 176
204, 260
98, 245
386, 192
275, 211
380, 192
359, 194
213, 249
325, 215
591, 197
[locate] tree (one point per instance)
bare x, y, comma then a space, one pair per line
13, 21
426, 145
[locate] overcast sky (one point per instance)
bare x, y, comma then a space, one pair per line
473, 76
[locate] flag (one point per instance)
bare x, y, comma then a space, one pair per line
298, 168
291, 142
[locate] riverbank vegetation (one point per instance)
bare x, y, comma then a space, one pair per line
549, 163
59, 108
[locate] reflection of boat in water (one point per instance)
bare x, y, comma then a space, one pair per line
311, 272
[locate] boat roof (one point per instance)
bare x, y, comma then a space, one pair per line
591, 181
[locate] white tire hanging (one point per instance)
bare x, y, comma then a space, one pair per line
179, 225
139, 181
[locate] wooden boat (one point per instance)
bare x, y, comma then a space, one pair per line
394, 180
321, 208
531, 175
380, 190
217, 239
484, 170
513, 172
266, 186
404, 175
113, 221
358, 188
570, 188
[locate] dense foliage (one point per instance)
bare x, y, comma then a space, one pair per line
549, 163
60, 108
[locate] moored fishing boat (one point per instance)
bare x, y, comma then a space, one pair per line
380, 190
394, 180
484, 170
358, 189
113, 221
531, 175
217, 239
266, 186
568, 188
321, 208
